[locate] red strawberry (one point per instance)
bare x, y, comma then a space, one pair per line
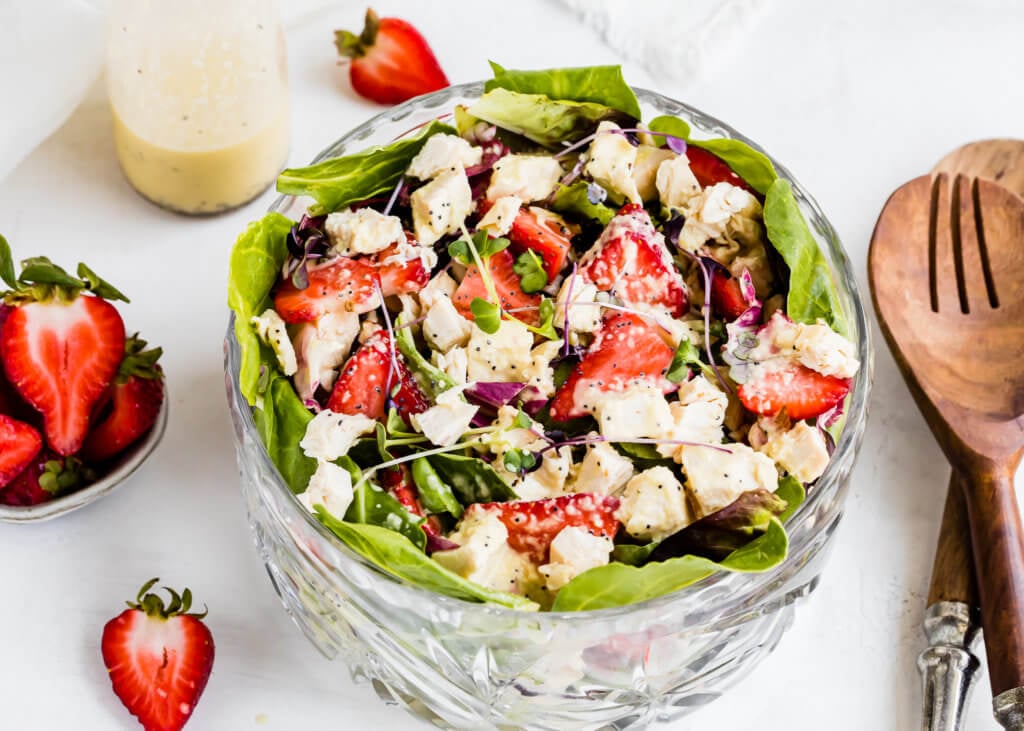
344, 285
400, 277
134, 401
360, 388
545, 233
46, 477
709, 169
802, 392
626, 349
391, 61
631, 260
506, 282
158, 658
19, 445
61, 356
532, 525
726, 296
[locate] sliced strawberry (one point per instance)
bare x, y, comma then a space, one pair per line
532, 525
344, 285
362, 383
19, 445
47, 476
726, 295
133, 404
506, 282
709, 169
61, 356
391, 61
158, 658
400, 277
631, 260
802, 392
627, 349
545, 233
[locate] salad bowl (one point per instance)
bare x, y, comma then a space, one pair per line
458, 664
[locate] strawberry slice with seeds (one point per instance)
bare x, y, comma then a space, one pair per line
361, 387
545, 233
391, 61
347, 284
627, 349
802, 392
532, 525
631, 260
726, 295
19, 445
400, 277
131, 405
709, 169
521, 305
159, 658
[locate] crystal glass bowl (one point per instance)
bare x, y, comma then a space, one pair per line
462, 665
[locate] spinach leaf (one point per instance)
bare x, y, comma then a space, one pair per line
373, 506
574, 199
437, 379
633, 555
793, 493
281, 422
337, 182
256, 262
639, 451
543, 120
435, 495
397, 555
812, 291
472, 479
596, 84
745, 161
617, 584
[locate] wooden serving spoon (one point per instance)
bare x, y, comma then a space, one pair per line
947, 274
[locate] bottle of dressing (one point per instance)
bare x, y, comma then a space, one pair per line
199, 96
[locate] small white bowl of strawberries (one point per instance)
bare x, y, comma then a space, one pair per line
82, 404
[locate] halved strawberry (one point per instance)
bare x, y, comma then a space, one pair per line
709, 169
802, 392
347, 284
391, 61
158, 658
400, 277
362, 383
48, 475
132, 403
513, 299
627, 349
19, 445
532, 525
61, 356
631, 260
546, 233
726, 295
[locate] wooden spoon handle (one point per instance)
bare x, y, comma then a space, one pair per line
998, 542
953, 570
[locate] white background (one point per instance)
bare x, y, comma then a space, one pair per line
854, 97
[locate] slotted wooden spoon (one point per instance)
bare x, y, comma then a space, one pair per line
947, 272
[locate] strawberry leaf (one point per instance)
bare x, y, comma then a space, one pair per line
7, 264
98, 286
40, 270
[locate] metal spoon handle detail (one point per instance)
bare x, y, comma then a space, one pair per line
947, 665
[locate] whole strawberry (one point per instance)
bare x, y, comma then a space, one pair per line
158, 658
131, 405
391, 61
61, 343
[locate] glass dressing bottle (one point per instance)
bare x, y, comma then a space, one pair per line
199, 97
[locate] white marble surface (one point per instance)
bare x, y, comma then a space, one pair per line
855, 98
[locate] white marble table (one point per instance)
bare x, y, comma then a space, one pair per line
855, 98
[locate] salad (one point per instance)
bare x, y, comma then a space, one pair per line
543, 353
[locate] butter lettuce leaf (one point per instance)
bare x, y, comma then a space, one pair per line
572, 199
602, 85
337, 182
281, 421
539, 118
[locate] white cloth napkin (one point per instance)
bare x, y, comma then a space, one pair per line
678, 40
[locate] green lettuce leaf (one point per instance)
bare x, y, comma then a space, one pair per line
793, 493
617, 584
573, 199
546, 121
472, 479
602, 85
812, 291
745, 161
373, 506
256, 262
394, 553
281, 422
337, 182
436, 496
